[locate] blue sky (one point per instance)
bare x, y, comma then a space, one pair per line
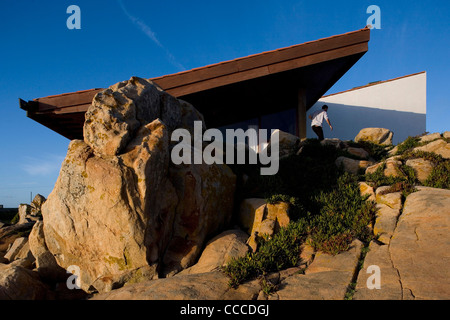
118, 39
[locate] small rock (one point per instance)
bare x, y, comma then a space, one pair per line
36, 204
430, 137
439, 147
391, 199
220, 251
267, 228
307, 254
365, 189
335, 142
19, 283
279, 212
359, 152
373, 168
422, 168
25, 253
393, 168
254, 213
24, 213
393, 151
352, 165
376, 135
251, 211
385, 222
15, 248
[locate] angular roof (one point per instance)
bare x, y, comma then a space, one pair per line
265, 82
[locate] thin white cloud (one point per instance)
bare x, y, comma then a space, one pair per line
151, 35
43, 166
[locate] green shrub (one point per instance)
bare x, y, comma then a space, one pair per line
407, 145
404, 187
296, 209
430, 156
378, 178
276, 198
439, 176
344, 215
326, 205
280, 252
409, 174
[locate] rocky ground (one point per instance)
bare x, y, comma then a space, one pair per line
132, 225
410, 256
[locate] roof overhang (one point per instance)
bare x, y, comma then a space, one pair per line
234, 90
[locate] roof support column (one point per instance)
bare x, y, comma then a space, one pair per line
301, 113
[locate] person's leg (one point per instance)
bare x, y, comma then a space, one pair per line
319, 131
321, 137
315, 131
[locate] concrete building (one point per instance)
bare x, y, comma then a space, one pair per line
399, 105
274, 90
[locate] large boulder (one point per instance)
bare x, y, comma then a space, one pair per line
376, 135
419, 247
93, 218
378, 259
414, 262
120, 208
205, 206
118, 112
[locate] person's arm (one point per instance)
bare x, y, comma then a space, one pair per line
329, 123
310, 117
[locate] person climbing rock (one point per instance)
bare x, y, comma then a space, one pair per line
317, 120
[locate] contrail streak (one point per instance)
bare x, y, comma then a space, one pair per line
150, 34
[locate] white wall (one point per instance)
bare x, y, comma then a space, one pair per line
398, 105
